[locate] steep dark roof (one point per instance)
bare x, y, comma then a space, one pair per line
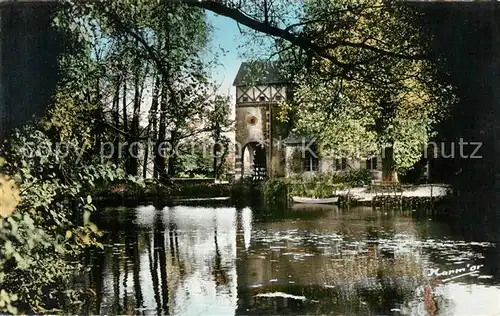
259, 73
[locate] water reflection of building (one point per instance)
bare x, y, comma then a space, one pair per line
206, 240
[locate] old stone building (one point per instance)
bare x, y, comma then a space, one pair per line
302, 157
265, 148
259, 88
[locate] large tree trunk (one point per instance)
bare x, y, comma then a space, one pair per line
133, 152
222, 161
124, 151
173, 154
389, 172
96, 116
152, 122
146, 157
171, 166
159, 161
124, 103
216, 149
99, 117
159, 148
116, 119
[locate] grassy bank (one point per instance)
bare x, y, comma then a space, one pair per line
171, 192
279, 191
318, 186
276, 192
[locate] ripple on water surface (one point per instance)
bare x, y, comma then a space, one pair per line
224, 261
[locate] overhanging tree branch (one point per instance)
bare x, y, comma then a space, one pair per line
224, 8
263, 27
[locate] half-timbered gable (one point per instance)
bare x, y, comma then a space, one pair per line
259, 82
246, 95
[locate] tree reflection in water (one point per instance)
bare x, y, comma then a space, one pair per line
153, 267
160, 260
218, 273
192, 260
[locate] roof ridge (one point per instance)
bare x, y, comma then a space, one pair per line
249, 74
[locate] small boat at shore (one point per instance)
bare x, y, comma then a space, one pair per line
301, 207
306, 200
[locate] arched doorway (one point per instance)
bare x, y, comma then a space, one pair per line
254, 162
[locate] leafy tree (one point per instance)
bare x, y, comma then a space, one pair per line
166, 38
292, 25
390, 105
367, 59
194, 161
172, 42
204, 146
218, 123
46, 206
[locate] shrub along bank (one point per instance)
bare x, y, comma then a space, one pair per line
317, 186
157, 191
45, 208
279, 191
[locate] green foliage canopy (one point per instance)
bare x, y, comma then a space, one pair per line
391, 97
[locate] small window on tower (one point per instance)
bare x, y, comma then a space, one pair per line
278, 98
262, 98
245, 99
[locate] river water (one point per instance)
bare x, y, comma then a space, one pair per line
187, 260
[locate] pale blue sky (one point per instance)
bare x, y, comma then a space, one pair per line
226, 35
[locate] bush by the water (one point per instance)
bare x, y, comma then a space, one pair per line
45, 207
176, 189
413, 202
276, 190
246, 192
319, 186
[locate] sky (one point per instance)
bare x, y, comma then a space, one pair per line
226, 35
